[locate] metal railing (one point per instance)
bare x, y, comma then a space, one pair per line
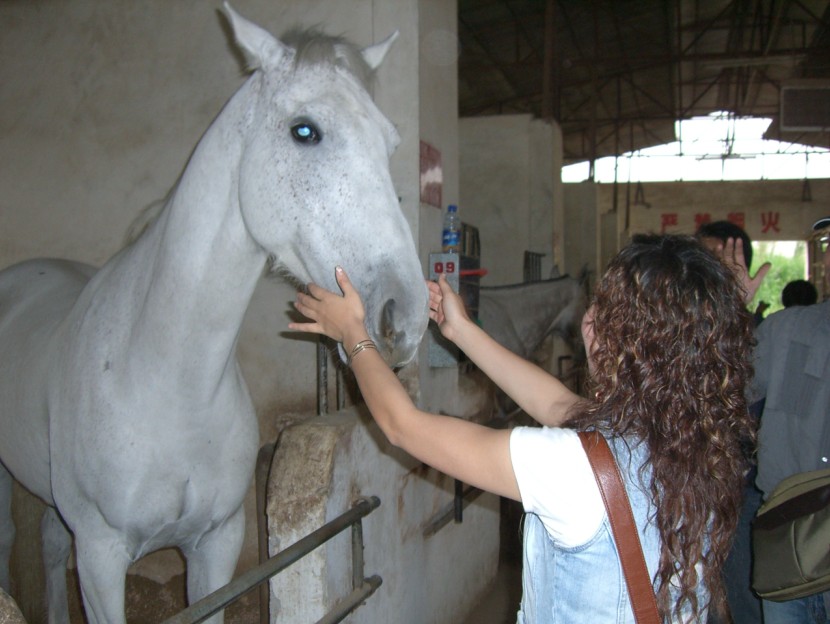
362, 587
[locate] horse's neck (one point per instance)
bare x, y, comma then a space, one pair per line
193, 272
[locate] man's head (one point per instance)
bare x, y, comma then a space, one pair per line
715, 234
799, 293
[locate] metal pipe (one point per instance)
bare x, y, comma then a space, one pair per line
458, 502
322, 377
357, 554
222, 597
442, 518
340, 389
263, 467
353, 600
463, 496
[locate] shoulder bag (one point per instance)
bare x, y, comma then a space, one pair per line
791, 539
623, 527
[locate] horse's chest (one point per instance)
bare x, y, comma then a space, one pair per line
158, 482
209, 471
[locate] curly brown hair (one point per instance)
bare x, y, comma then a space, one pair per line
670, 361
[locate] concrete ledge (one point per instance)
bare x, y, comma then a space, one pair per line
9, 613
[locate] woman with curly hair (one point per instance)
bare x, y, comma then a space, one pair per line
667, 339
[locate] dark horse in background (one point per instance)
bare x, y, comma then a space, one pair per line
523, 316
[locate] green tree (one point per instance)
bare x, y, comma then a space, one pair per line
786, 267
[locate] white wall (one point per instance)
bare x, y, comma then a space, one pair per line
581, 242
511, 191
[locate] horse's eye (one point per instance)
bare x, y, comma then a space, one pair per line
305, 133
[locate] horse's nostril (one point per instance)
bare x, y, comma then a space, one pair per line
387, 325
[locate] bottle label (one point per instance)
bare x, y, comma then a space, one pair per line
450, 239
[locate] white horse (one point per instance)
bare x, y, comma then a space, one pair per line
122, 404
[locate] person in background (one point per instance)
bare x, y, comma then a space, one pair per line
667, 339
714, 235
798, 292
744, 605
792, 373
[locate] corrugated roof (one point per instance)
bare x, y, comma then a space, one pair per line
616, 74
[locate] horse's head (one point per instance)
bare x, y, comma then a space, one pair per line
568, 322
314, 184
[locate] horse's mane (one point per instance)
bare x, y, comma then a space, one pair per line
314, 47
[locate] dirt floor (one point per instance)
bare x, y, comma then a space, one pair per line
149, 602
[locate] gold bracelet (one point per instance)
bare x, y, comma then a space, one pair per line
360, 346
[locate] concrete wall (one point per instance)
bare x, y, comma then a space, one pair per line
511, 190
581, 235
103, 101
426, 578
437, 82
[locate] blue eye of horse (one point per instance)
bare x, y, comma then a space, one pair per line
305, 133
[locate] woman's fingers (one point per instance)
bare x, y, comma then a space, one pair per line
333, 314
436, 308
343, 281
310, 303
435, 295
304, 304
444, 285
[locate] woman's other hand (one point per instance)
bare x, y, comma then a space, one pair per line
446, 307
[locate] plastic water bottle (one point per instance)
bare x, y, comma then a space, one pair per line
451, 235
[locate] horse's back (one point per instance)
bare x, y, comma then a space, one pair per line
520, 316
35, 297
27, 281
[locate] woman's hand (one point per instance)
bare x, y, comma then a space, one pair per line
446, 307
341, 318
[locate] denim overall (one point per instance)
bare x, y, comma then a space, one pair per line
586, 583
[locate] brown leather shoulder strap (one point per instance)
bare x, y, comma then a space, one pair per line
618, 507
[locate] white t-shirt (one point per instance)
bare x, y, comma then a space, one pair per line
556, 482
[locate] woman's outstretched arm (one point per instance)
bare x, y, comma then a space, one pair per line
541, 395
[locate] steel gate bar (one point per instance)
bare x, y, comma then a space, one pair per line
347, 605
222, 597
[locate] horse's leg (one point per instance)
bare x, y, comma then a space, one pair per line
212, 560
102, 569
57, 544
6, 527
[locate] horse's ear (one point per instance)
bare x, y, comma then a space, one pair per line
374, 54
261, 49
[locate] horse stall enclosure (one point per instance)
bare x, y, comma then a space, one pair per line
115, 122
